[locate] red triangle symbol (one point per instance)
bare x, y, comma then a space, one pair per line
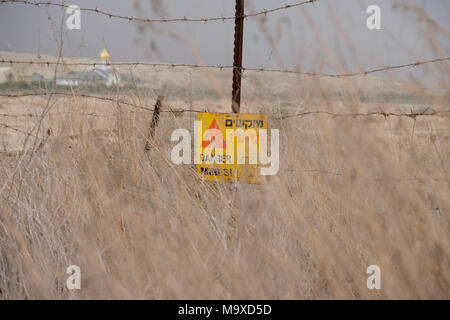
214, 125
218, 144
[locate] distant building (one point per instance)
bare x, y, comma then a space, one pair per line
103, 75
92, 77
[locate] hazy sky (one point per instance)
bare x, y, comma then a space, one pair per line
340, 24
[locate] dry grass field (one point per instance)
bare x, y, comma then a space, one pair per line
351, 192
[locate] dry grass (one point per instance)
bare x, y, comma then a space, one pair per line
350, 192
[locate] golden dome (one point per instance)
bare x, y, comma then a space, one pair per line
104, 55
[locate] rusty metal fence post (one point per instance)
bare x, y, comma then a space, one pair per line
237, 60
154, 122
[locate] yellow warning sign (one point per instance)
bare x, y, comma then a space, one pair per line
227, 146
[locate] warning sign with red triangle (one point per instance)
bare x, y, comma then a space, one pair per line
217, 160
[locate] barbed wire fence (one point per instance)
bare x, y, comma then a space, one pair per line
412, 115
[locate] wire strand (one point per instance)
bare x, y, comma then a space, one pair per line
136, 63
164, 20
425, 113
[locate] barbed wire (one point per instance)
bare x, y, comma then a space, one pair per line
361, 73
76, 95
53, 114
82, 95
183, 19
425, 113
129, 63
413, 115
355, 176
136, 63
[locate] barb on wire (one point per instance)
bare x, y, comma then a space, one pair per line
135, 63
183, 19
